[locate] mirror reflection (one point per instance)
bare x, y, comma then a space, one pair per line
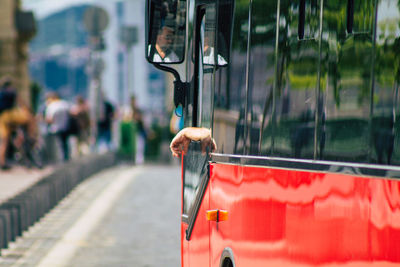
166, 40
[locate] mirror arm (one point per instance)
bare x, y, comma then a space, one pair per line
180, 88
180, 92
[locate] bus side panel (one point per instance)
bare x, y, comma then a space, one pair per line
184, 246
195, 252
297, 218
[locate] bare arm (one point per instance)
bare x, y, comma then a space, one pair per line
182, 140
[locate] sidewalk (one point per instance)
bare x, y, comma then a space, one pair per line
18, 179
27, 194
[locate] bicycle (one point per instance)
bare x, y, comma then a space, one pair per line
25, 150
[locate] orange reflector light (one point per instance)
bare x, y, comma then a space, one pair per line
217, 215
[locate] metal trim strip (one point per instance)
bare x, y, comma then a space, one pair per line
358, 169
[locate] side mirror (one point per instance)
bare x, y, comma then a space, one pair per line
165, 31
215, 30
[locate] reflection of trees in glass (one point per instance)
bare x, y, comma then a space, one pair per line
240, 25
265, 33
388, 52
352, 64
346, 53
385, 101
349, 56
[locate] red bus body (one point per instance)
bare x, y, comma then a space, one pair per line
281, 217
302, 100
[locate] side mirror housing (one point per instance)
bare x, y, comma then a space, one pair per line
165, 31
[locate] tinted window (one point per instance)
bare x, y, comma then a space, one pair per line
195, 166
291, 130
346, 84
342, 79
230, 93
385, 130
261, 73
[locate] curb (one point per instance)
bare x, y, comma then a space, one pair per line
23, 210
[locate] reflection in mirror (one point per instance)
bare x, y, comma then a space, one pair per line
209, 31
206, 69
209, 54
166, 39
214, 52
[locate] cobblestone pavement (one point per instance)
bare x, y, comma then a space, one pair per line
124, 216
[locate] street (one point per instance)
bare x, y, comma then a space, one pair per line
124, 216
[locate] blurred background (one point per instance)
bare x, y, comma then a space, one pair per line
81, 108
90, 54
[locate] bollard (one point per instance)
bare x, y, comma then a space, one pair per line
20, 212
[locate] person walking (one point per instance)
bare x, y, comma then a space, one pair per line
141, 135
104, 127
57, 117
80, 113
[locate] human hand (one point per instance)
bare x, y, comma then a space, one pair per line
181, 141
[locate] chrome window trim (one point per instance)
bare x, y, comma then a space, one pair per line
358, 169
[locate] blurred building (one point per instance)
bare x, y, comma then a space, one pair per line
127, 72
60, 53
17, 27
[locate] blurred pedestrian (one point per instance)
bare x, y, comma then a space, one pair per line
57, 117
153, 142
104, 126
141, 135
127, 139
13, 113
80, 114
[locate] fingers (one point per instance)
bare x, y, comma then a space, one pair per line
208, 143
204, 145
185, 145
175, 147
180, 144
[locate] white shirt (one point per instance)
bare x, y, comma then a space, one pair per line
170, 58
209, 59
58, 113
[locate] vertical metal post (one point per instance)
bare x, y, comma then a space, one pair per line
275, 88
246, 111
372, 83
317, 88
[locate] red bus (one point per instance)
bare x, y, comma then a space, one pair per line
301, 98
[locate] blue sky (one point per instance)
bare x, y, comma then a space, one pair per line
43, 8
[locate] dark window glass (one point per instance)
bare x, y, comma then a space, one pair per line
291, 129
385, 122
304, 18
230, 93
195, 166
363, 19
261, 72
346, 83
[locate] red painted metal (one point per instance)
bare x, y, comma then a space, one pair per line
290, 218
196, 251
